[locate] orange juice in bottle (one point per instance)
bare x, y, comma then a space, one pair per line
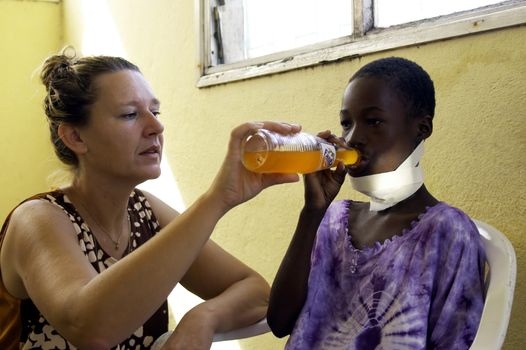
269, 152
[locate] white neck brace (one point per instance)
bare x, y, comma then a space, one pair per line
389, 188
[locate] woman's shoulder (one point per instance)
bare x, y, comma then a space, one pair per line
34, 220
151, 206
143, 199
43, 206
39, 202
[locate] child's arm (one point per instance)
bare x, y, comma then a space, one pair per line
289, 289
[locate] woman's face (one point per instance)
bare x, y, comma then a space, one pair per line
373, 120
124, 136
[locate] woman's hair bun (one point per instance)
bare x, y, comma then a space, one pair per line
58, 66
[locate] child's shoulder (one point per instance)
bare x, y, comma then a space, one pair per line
347, 205
342, 208
451, 222
448, 214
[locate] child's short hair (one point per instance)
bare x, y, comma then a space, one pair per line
408, 79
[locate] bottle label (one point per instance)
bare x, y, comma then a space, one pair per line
328, 155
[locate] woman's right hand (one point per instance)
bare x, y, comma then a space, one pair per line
234, 184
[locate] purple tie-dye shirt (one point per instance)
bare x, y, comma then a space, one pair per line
423, 289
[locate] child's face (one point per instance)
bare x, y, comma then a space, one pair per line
373, 119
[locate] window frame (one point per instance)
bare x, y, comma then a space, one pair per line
364, 40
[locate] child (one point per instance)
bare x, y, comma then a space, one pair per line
403, 271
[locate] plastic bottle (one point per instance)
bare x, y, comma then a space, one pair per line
269, 152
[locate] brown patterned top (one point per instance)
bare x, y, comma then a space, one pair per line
22, 324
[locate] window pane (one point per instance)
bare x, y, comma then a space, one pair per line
271, 26
389, 12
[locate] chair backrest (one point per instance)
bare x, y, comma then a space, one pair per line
500, 286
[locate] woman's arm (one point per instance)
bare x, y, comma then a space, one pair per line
235, 295
41, 258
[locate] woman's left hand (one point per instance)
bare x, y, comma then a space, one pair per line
234, 184
191, 333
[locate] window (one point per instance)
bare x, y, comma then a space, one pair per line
240, 39
245, 29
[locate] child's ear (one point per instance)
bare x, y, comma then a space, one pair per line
70, 136
424, 127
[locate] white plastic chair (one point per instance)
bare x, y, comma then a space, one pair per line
258, 328
500, 285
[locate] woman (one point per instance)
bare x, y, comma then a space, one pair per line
402, 271
91, 265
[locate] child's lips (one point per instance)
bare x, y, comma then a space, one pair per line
358, 167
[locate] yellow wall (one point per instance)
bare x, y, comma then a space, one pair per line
29, 31
475, 159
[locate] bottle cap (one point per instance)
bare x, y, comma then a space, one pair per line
255, 150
